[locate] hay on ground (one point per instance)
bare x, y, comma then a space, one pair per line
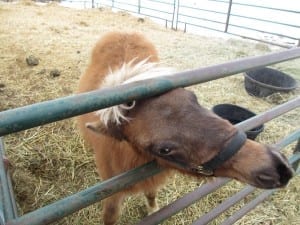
51, 162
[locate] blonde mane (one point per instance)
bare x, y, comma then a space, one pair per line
128, 73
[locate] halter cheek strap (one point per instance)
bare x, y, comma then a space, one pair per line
208, 168
225, 154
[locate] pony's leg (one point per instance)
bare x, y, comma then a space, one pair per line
151, 203
112, 208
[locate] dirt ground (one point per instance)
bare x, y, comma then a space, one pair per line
51, 162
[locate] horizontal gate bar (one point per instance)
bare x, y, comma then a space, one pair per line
183, 202
63, 207
248, 124
73, 203
212, 214
200, 192
269, 114
49, 111
251, 205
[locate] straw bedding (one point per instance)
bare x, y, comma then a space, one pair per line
51, 162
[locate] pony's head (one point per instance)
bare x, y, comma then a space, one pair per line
178, 132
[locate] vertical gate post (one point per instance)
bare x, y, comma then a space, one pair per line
139, 7
175, 14
297, 150
228, 16
8, 209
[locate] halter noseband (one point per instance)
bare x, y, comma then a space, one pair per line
235, 144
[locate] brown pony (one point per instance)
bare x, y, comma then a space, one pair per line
172, 129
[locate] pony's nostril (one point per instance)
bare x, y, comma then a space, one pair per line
283, 168
285, 173
274, 174
274, 177
264, 177
268, 179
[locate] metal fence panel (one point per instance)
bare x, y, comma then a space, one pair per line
247, 20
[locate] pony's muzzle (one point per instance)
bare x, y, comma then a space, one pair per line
276, 175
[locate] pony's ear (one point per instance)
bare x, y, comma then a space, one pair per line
96, 126
109, 130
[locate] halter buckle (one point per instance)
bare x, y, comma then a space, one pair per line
202, 170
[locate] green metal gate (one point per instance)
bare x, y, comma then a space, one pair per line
46, 112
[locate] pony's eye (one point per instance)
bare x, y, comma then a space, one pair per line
130, 104
164, 151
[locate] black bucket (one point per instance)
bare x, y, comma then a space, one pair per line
236, 114
265, 81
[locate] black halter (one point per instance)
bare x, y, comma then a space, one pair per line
235, 144
208, 168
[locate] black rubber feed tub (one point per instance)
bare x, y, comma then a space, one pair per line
266, 81
236, 114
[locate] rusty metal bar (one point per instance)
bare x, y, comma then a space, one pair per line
46, 112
